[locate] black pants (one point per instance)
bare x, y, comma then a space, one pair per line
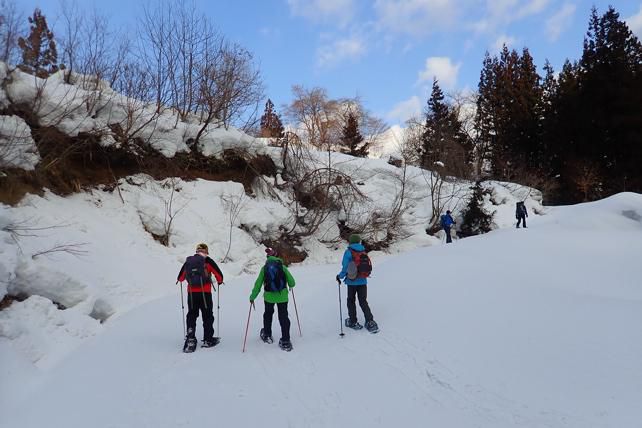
520, 219
196, 302
448, 238
283, 319
362, 292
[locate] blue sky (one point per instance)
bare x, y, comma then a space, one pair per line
386, 51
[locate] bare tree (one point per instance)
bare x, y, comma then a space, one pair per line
315, 115
11, 26
233, 204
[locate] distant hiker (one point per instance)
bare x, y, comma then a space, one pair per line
197, 271
446, 223
275, 279
521, 213
355, 270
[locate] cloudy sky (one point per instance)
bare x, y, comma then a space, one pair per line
386, 51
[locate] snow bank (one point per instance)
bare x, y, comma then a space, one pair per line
92, 106
17, 148
534, 327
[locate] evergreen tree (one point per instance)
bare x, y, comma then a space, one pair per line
352, 141
485, 114
271, 125
476, 220
39, 54
546, 156
443, 139
610, 101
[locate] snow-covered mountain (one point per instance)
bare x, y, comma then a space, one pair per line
531, 328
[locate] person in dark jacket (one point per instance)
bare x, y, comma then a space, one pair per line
357, 288
446, 223
197, 271
272, 298
521, 213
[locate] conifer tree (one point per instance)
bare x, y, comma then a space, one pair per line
443, 139
39, 54
476, 220
271, 125
352, 141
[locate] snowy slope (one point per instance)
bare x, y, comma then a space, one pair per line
528, 328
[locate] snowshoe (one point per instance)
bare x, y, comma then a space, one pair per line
353, 324
190, 345
265, 337
210, 343
372, 326
286, 345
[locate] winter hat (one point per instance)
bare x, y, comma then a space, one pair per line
202, 248
271, 252
448, 212
355, 239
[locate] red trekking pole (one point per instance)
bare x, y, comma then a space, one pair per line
296, 312
248, 324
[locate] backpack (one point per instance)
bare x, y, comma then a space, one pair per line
195, 273
273, 276
360, 266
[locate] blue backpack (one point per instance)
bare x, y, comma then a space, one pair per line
445, 221
274, 277
195, 273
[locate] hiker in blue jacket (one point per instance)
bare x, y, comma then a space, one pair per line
356, 279
446, 223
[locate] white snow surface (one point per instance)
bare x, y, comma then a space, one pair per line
536, 327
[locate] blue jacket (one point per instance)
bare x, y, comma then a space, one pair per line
447, 220
347, 258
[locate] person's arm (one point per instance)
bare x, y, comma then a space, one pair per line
347, 256
213, 268
257, 285
181, 274
288, 277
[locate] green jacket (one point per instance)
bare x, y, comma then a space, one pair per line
272, 296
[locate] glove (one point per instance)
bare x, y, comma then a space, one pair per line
251, 302
219, 283
338, 279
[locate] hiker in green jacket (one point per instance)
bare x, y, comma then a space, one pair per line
275, 279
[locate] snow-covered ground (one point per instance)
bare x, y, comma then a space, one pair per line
530, 328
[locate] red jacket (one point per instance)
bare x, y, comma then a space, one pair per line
211, 269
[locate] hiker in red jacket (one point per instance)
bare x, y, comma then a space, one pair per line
197, 271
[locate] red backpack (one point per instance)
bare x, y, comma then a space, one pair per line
360, 266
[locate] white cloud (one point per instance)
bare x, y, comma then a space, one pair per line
502, 40
340, 12
416, 17
560, 21
532, 7
339, 51
405, 109
635, 22
443, 69
499, 13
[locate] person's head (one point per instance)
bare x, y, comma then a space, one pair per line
202, 249
271, 252
448, 212
355, 239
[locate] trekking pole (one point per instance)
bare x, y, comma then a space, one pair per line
248, 324
296, 312
340, 311
218, 309
183, 308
